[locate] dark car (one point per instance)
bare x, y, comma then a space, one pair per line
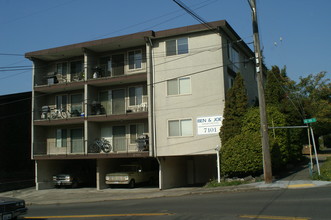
69, 179
11, 208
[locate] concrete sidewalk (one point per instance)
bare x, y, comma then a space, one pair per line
63, 196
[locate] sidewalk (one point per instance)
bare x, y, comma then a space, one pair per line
62, 196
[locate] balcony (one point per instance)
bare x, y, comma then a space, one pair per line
115, 147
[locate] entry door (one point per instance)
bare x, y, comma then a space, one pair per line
77, 143
117, 64
118, 101
119, 141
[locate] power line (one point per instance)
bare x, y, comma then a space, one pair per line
194, 15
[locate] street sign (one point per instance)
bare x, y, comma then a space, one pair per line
309, 120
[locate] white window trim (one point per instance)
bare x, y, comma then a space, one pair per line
178, 86
176, 39
180, 119
142, 95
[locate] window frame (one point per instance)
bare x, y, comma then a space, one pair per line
64, 71
63, 140
178, 86
180, 128
176, 51
234, 57
135, 59
63, 105
76, 105
133, 140
135, 95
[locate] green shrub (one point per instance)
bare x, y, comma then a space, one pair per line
242, 155
215, 183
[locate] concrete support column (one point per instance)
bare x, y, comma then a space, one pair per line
44, 171
102, 168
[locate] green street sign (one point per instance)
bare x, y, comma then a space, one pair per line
309, 120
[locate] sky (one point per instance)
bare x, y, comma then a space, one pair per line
293, 33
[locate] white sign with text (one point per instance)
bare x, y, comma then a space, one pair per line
209, 125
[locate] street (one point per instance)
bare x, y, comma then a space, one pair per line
288, 204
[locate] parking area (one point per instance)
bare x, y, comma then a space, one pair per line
92, 173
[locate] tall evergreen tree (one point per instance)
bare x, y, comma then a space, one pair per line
279, 94
275, 93
236, 104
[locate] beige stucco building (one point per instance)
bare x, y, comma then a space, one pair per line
167, 85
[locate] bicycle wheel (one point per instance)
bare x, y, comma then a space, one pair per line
106, 147
64, 114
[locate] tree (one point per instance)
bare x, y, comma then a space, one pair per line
275, 93
241, 155
315, 93
236, 105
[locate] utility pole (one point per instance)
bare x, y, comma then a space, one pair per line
263, 114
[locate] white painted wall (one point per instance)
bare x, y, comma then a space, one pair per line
206, 99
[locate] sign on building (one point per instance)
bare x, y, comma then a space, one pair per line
209, 125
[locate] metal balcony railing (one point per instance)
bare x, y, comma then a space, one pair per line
97, 146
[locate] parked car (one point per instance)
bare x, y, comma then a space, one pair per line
130, 175
69, 179
11, 208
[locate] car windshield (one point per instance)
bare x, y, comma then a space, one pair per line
128, 168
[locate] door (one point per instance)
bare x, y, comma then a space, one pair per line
117, 64
77, 143
118, 101
119, 141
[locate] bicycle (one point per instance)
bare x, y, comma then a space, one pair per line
58, 113
48, 113
100, 145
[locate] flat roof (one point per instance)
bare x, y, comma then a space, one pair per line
131, 40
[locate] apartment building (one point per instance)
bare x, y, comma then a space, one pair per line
156, 97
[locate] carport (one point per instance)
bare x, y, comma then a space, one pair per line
108, 165
45, 169
179, 171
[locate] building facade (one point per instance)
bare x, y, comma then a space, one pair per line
156, 98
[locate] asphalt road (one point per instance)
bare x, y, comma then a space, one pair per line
285, 204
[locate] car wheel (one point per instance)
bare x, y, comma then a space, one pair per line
132, 184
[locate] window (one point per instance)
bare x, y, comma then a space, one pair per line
135, 59
182, 127
61, 138
61, 102
76, 67
179, 86
234, 58
178, 46
231, 81
62, 68
136, 95
76, 104
135, 131
105, 101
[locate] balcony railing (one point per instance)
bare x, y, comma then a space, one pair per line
115, 145
48, 113
52, 78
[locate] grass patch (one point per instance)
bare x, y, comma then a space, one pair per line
215, 183
325, 171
